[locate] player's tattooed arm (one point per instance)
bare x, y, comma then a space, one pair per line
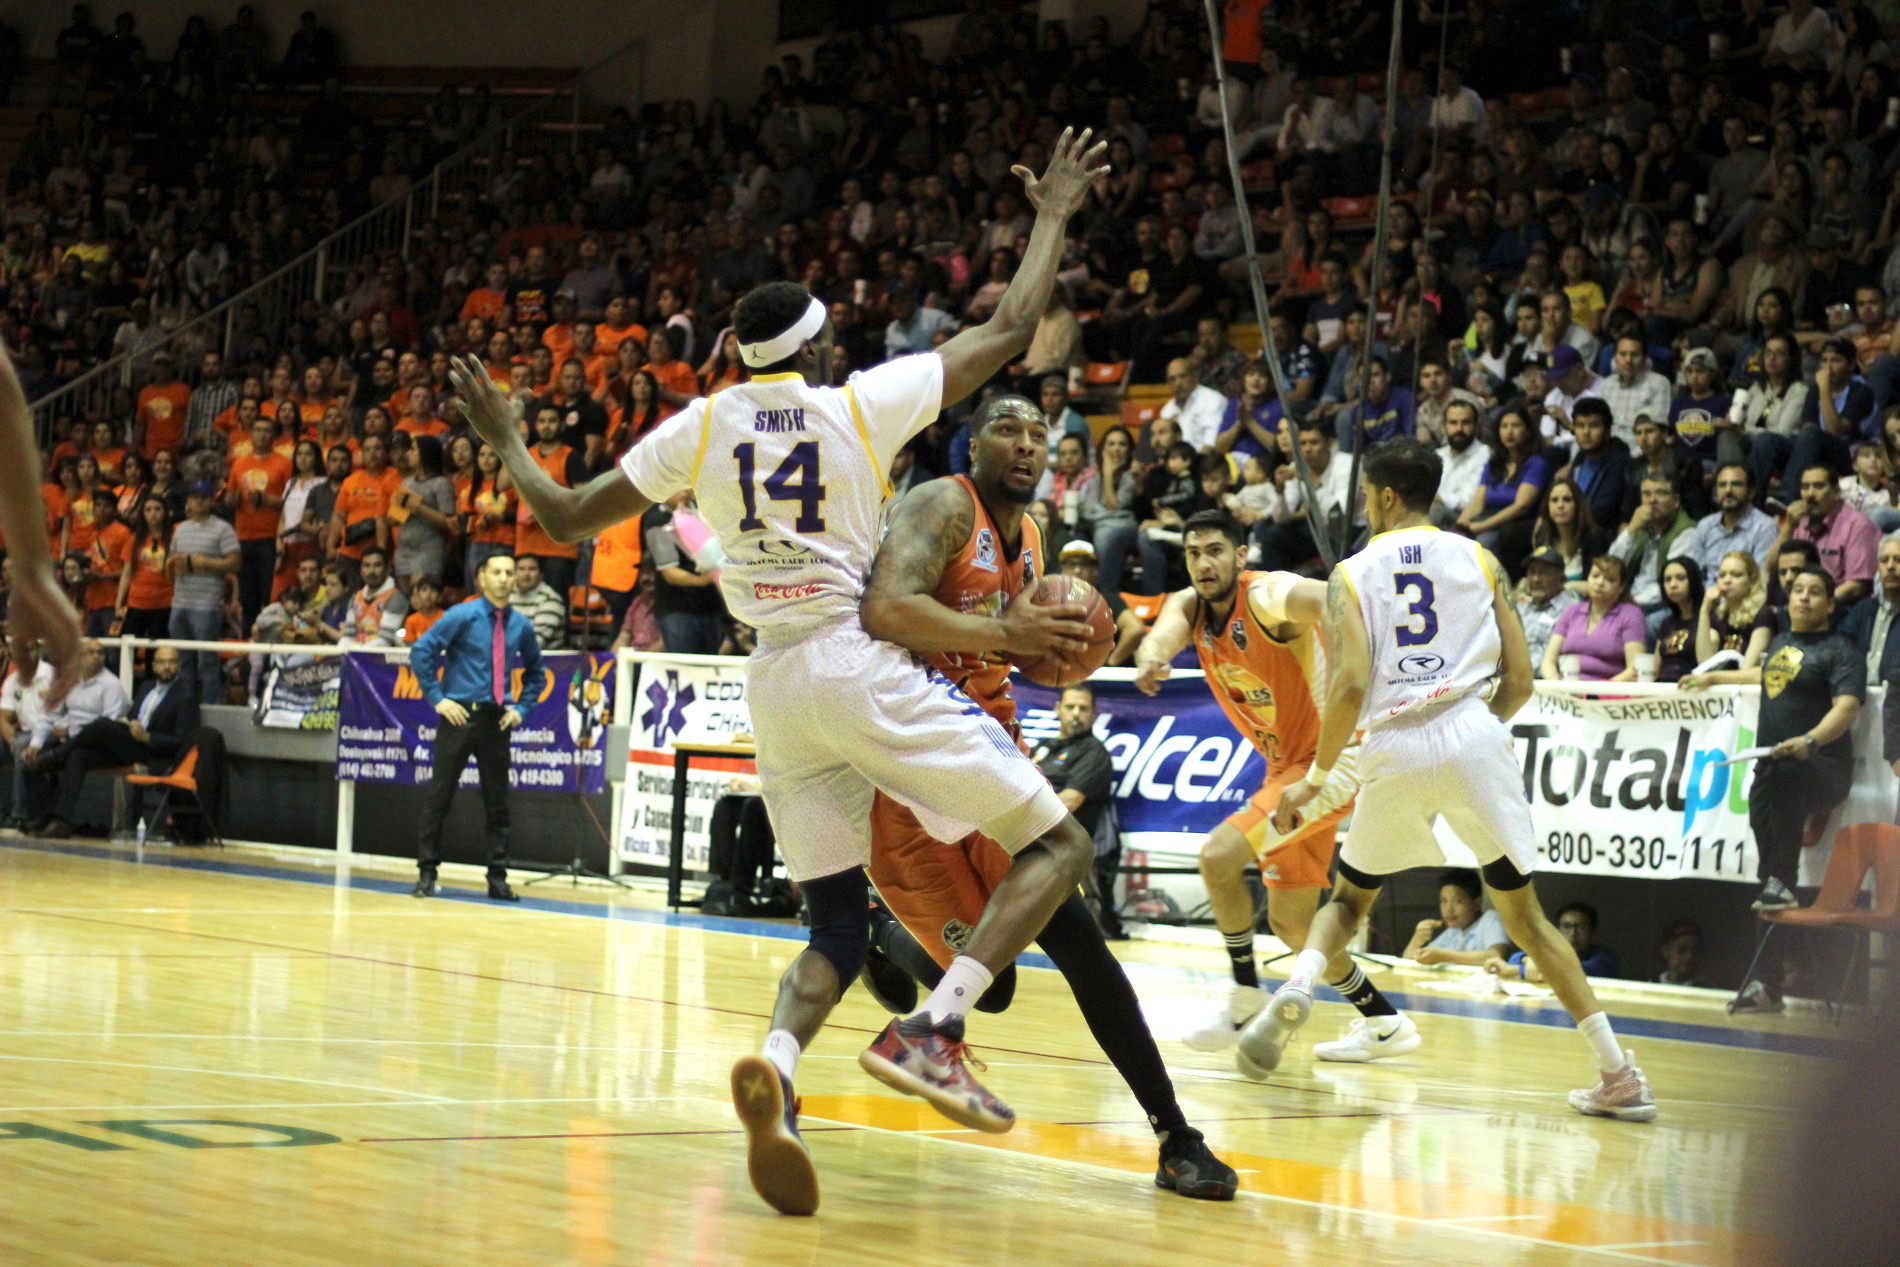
1348, 668
926, 531
1513, 687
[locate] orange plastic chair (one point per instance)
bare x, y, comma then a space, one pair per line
1146, 606
1106, 374
183, 778
1136, 414
1858, 848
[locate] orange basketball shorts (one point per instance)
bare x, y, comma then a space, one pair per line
1303, 858
936, 890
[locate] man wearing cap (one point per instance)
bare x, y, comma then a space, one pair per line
159, 422
1633, 389
1700, 414
1569, 380
204, 550
1544, 599
1078, 560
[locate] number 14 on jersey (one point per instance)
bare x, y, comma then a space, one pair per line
795, 480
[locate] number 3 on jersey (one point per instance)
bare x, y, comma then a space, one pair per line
1419, 584
795, 480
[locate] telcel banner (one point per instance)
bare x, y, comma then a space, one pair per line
387, 731
676, 703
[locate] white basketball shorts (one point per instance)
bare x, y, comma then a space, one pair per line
1460, 766
839, 714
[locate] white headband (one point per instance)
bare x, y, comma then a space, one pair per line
773, 350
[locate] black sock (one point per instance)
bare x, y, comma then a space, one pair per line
1240, 952
1111, 1010
1364, 995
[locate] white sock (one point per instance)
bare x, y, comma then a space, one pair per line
963, 984
1308, 966
782, 1050
1596, 1031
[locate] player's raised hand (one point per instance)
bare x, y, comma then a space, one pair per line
490, 412
1150, 674
1032, 629
1073, 164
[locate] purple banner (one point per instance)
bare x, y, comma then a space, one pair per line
1180, 768
386, 731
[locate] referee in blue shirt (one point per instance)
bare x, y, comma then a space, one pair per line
465, 664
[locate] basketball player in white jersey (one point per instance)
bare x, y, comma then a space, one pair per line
1428, 658
790, 473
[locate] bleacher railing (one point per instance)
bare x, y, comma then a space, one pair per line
384, 233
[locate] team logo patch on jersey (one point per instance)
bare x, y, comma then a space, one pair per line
784, 548
956, 934
1421, 664
1029, 568
985, 550
1239, 633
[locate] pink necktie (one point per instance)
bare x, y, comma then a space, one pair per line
500, 654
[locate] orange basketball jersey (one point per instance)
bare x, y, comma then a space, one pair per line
981, 579
1268, 687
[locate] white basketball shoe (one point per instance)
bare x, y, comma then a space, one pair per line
1372, 1038
1222, 1027
1265, 1038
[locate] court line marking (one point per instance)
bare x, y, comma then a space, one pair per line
1366, 1212
1649, 1245
1507, 1013
482, 1101
948, 1132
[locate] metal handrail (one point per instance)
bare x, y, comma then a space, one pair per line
278, 297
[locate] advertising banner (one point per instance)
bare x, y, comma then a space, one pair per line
674, 704
1640, 787
299, 693
386, 731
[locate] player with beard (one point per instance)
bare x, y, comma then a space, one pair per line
1264, 663
945, 584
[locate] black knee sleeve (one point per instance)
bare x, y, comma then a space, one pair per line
839, 909
1502, 874
1359, 878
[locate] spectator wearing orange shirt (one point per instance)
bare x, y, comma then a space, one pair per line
586, 350
566, 468
81, 519
105, 565
616, 327
678, 384
106, 450
333, 431
159, 421
559, 336
1873, 343
425, 602
616, 569
488, 509
498, 358
489, 300
636, 412
230, 420
145, 586
361, 519
288, 425
316, 398
255, 492
419, 413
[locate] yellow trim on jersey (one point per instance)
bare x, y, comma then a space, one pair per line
705, 439
787, 377
864, 435
1345, 574
1477, 554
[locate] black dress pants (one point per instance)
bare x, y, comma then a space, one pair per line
103, 744
482, 738
1783, 797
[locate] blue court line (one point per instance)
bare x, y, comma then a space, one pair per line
1473, 1009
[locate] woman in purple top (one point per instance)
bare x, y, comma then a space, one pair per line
1503, 512
1253, 418
1607, 632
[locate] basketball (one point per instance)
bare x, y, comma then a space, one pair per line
1046, 671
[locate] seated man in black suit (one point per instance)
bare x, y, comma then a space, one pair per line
164, 713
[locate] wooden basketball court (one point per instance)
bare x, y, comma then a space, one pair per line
241, 1059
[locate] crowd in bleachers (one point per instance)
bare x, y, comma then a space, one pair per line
1624, 256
